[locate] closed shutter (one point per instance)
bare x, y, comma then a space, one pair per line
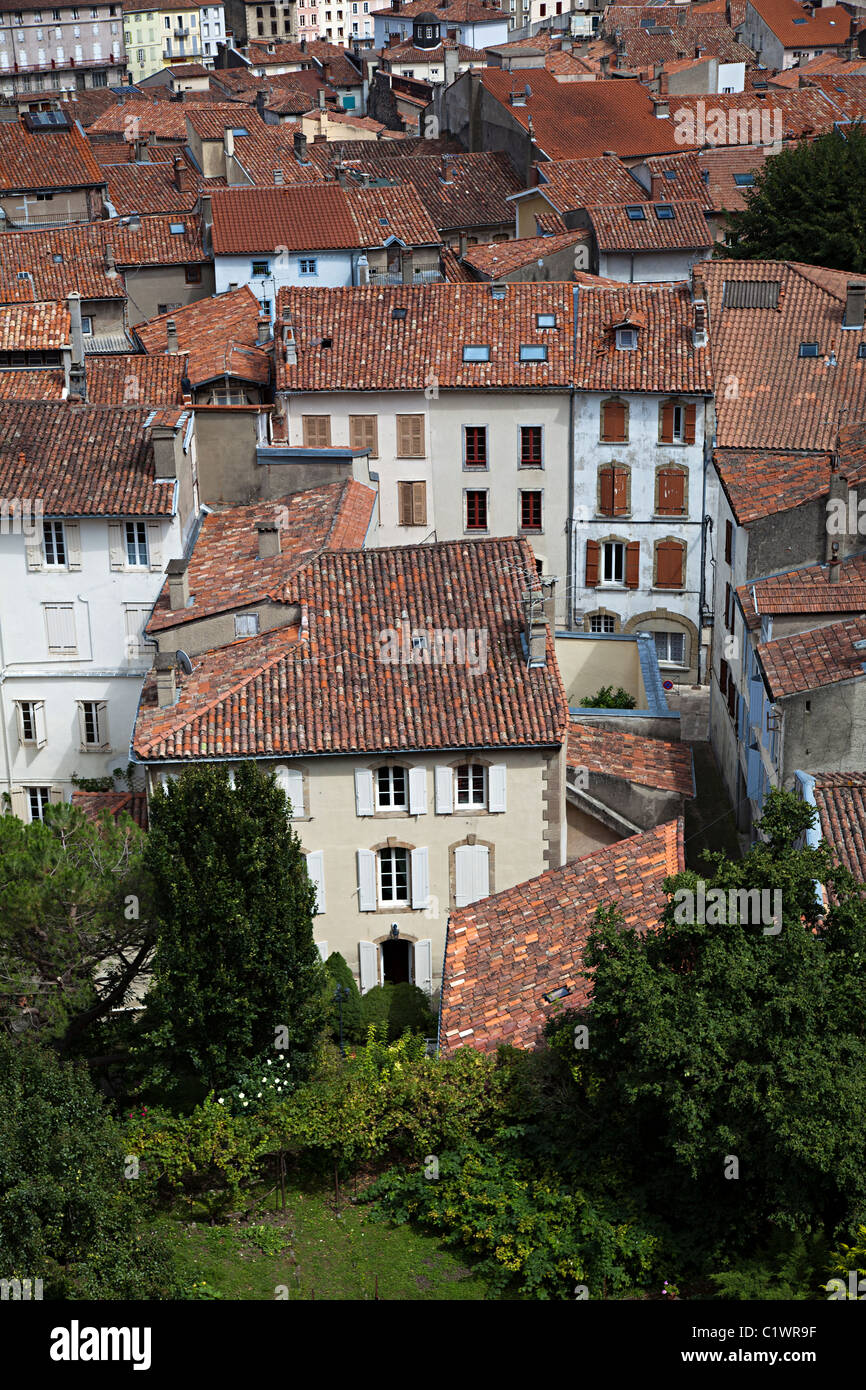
291, 779
729, 541
593, 562
669, 564
666, 422
116, 549
419, 504
672, 492
732, 699
366, 880
424, 966
363, 433
691, 418
363, 791
73, 544
417, 791
420, 878
154, 545
723, 676
322, 948
605, 490
410, 436
496, 787
60, 619
55, 796
613, 421
317, 431
471, 874
444, 791
19, 803
632, 565
316, 871
33, 552
368, 960
133, 621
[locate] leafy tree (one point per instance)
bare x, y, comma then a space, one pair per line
235, 961
338, 973
75, 923
396, 1008
69, 1215
807, 204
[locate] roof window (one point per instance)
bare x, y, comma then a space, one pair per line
744, 180
808, 350
476, 352
626, 339
545, 320
533, 352
177, 228
664, 212
636, 213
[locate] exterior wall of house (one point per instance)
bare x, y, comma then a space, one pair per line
212, 29
526, 211
80, 49
333, 270
585, 663
158, 38
152, 287
477, 35
756, 34
641, 268
53, 208
271, 23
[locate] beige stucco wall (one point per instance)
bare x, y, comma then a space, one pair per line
586, 834
150, 286
586, 664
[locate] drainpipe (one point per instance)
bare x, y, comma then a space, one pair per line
6, 755
705, 524
569, 558
814, 837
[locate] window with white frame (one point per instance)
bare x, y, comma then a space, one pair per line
613, 562
602, 622
93, 725
391, 788
31, 723
54, 539
471, 780
37, 799
393, 877
135, 533
670, 647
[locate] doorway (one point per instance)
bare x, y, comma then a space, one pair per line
396, 962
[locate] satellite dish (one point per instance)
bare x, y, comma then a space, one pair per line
527, 91
184, 663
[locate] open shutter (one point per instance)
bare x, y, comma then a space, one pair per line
33, 552
666, 422
444, 791
102, 736
632, 565
316, 871
723, 676
154, 545
593, 561
73, 544
424, 966
496, 787
417, 791
420, 878
729, 542
55, 796
82, 725
292, 782
419, 504
605, 490
116, 552
368, 960
669, 565
322, 948
39, 718
363, 791
19, 804
366, 880
620, 491
691, 417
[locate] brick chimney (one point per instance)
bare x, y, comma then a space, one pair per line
181, 175
699, 333
178, 584
300, 144
663, 84
165, 664
269, 539
446, 170
109, 261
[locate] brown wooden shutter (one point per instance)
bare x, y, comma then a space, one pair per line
723, 676
363, 434
732, 699
620, 491
669, 565
727, 605
593, 561
419, 504
613, 421
672, 492
410, 436
404, 495
729, 541
666, 428
691, 417
317, 431
605, 489
632, 565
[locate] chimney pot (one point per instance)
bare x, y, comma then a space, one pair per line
269, 539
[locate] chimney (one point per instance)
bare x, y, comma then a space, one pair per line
76, 332
263, 330
321, 95
300, 143
278, 177
699, 334
166, 684
167, 442
363, 270
728, 16
833, 574
229, 142
605, 64
181, 175
178, 584
261, 98
464, 242
269, 539
446, 171
855, 303
171, 336
138, 151
110, 263
538, 640
662, 107
699, 52
663, 84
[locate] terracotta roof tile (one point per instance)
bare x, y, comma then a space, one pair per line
94, 803
218, 334
317, 218
38, 384
505, 952
615, 230
46, 159
151, 188
797, 26
809, 660
166, 120
476, 192
760, 483
841, 801
574, 183
43, 327
806, 590
495, 258
651, 762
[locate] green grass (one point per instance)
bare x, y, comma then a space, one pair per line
313, 1251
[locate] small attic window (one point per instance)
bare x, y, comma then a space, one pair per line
177, 228
533, 352
383, 222
545, 320
670, 175
240, 130
57, 258
808, 350
744, 180
664, 212
636, 213
398, 313
626, 339
861, 350
478, 352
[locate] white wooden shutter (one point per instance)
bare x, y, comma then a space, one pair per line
33, 551
417, 791
420, 878
82, 725
444, 791
322, 948
496, 787
368, 959
73, 544
154, 545
39, 720
316, 871
102, 734
134, 618
424, 966
116, 547
19, 803
366, 880
292, 783
55, 795
471, 873
363, 791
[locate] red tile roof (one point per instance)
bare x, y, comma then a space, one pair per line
676, 176
81, 460
35, 326
575, 183
323, 217
738, 118
116, 803
218, 334
841, 801
150, 188
797, 26
616, 231
328, 691
475, 195
134, 379
166, 120
810, 660
651, 762
640, 48
36, 384
495, 258
721, 165
665, 358
806, 590
760, 483
45, 159
825, 63
504, 952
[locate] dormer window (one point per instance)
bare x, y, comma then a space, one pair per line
177, 228
477, 352
636, 213
626, 339
533, 352
808, 350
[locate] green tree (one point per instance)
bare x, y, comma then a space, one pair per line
235, 961
338, 973
808, 203
69, 1202
76, 925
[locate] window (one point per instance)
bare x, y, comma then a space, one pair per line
307, 265
530, 511
671, 491
471, 782
729, 542
861, 350
602, 622
626, 339
37, 799
93, 724
533, 352
636, 213
545, 320
808, 350
677, 423
613, 490
60, 623
530, 446
614, 422
317, 431
410, 436
476, 511
391, 788
136, 544
393, 877
664, 212
744, 180
31, 722
412, 503
177, 228
140, 57
474, 446
364, 434
87, 325
670, 565
670, 648
55, 543
477, 352
261, 268
246, 624
193, 274
167, 23
613, 562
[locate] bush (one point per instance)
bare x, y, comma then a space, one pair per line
338, 973
607, 698
398, 1008
788, 1267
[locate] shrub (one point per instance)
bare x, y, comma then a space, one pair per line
338, 973
398, 1008
608, 698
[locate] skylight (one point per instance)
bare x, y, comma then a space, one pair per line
478, 352
670, 174
744, 180
636, 213
545, 320
240, 130
664, 212
177, 228
533, 352
808, 350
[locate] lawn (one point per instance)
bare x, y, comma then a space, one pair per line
312, 1251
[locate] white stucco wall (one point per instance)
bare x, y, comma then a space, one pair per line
333, 271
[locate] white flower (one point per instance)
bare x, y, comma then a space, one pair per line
241, 1094
220, 1101
269, 1061
246, 1102
259, 1096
